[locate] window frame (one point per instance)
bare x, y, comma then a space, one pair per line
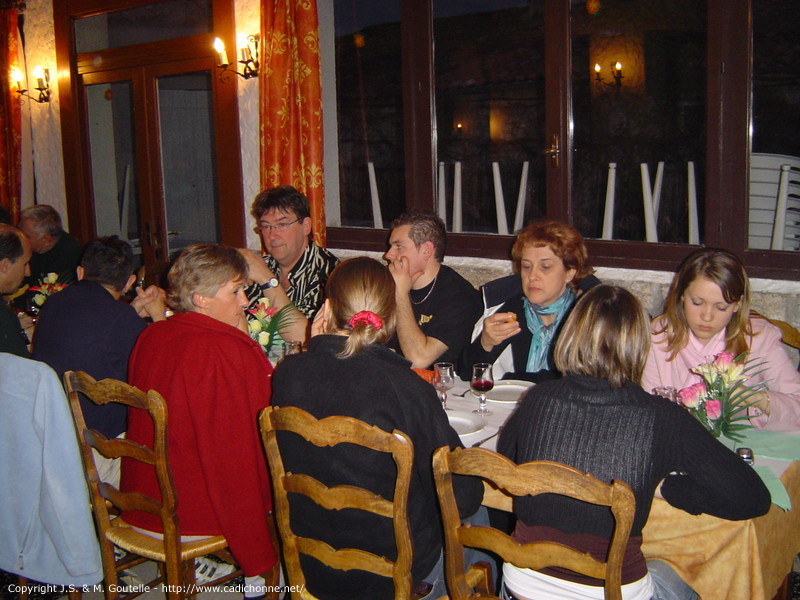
729, 115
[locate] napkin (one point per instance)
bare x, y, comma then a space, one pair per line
772, 444
775, 487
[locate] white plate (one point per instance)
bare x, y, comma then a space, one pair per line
508, 390
465, 422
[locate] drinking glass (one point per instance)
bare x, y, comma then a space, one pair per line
481, 382
443, 379
668, 392
294, 347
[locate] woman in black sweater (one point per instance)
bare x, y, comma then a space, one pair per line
347, 371
597, 419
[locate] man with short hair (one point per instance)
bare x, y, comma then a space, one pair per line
436, 307
294, 268
87, 327
54, 250
15, 254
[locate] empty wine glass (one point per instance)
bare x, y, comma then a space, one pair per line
668, 392
481, 382
443, 379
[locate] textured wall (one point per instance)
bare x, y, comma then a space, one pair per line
45, 118
247, 21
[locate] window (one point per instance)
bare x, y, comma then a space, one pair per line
505, 119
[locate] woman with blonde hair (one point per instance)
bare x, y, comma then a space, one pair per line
600, 421
707, 311
524, 312
215, 380
347, 371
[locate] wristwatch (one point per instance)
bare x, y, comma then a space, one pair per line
270, 284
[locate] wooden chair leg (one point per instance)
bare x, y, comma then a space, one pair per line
23, 587
784, 592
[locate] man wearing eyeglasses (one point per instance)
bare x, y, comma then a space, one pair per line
295, 268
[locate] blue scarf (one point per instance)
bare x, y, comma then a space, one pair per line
542, 335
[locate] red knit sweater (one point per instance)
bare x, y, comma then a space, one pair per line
214, 379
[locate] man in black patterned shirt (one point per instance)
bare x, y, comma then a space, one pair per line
295, 268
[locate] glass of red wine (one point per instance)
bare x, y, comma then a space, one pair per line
481, 382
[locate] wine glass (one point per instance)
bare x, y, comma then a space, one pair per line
443, 379
668, 392
32, 308
481, 382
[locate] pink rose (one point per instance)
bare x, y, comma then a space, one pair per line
723, 360
713, 409
691, 396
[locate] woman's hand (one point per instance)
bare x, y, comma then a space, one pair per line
760, 401
497, 328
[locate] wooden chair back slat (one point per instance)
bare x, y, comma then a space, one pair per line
345, 559
331, 431
338, 497
529, 479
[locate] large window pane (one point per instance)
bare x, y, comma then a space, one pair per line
109, 109
150, 23
369, 103
186, 118
775, 127
654, 113
489, 69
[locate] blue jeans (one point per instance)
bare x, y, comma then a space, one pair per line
437, 578
667, 584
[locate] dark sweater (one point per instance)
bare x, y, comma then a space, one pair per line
378, 387
521, 342
625, 434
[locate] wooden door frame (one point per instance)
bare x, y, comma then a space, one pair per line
74, 129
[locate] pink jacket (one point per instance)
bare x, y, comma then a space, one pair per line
781, 377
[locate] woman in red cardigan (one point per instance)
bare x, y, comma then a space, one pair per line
215, 380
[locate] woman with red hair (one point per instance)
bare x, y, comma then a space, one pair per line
519, 326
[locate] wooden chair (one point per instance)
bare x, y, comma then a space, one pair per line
789, 335
176, 557
330, 432
533, 478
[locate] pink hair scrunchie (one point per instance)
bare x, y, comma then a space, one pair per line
366, 316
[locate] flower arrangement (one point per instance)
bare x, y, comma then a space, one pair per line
48, 285
721, 400
264, 322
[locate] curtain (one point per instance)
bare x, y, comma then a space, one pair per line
291, 103
10, 116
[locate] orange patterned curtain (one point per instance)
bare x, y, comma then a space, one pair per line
291, 102
10, 117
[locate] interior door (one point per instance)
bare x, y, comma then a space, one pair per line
152, 147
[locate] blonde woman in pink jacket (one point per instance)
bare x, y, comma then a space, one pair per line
707, 312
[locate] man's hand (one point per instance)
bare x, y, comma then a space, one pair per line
400, 270
497, 328
257, 269
151, 302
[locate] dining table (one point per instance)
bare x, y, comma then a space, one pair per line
719, 559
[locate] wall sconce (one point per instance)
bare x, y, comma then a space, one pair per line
616, 73
248, 56
42, 84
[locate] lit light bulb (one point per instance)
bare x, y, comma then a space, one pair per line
596, 68
38, 73
222, 56
16, 77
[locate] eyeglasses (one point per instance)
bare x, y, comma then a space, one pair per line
280, 226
